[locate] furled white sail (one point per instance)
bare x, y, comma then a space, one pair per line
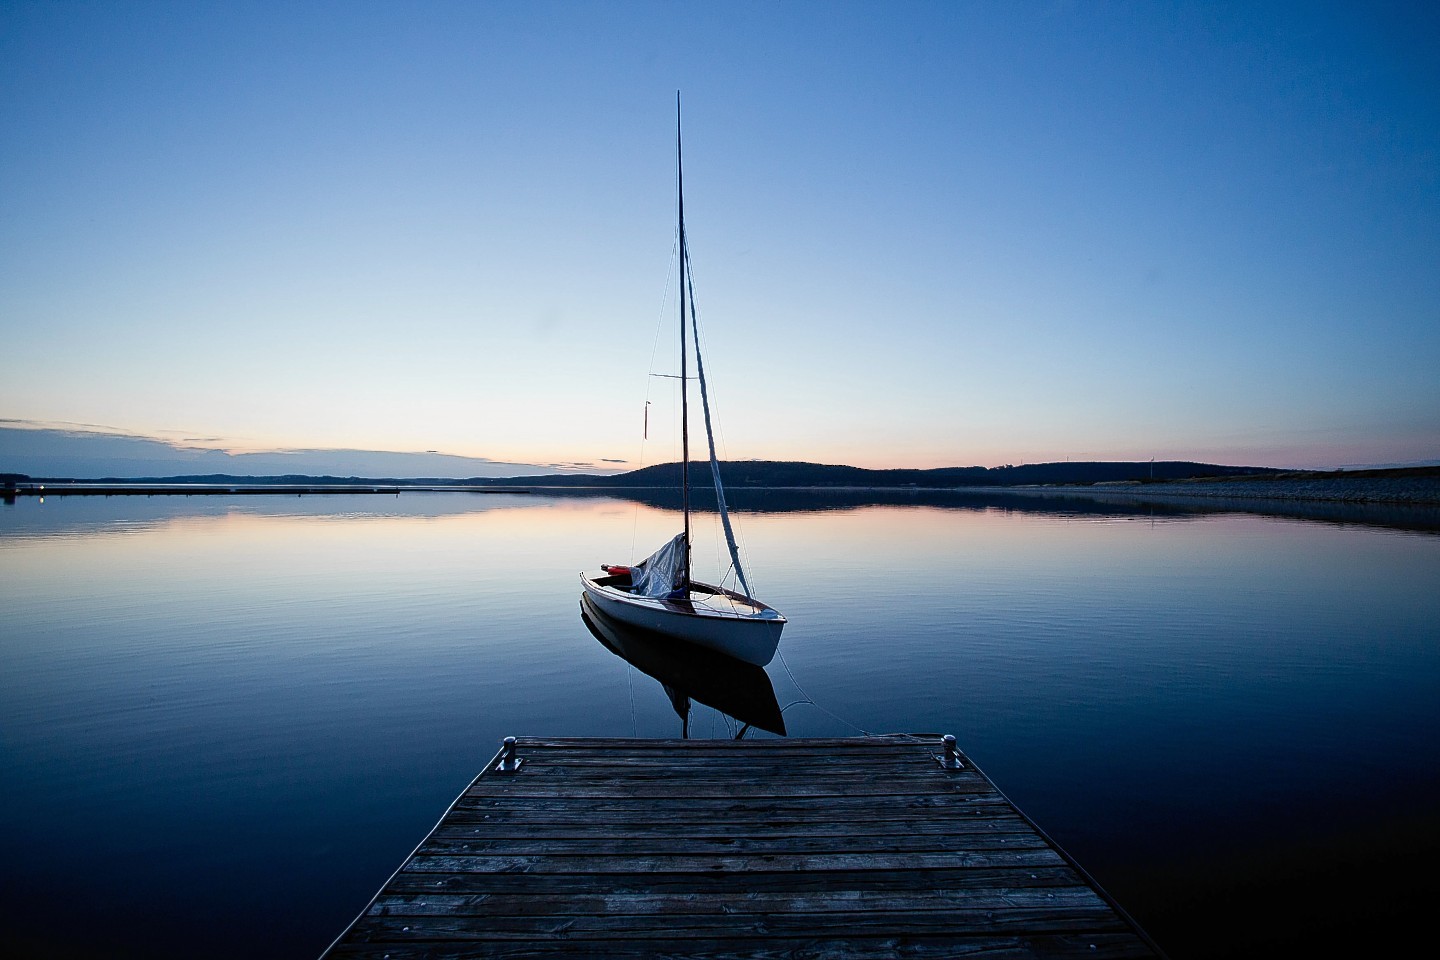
710, 436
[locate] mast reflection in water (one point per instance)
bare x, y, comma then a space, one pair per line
737, 689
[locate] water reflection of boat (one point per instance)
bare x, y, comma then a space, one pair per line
689, 672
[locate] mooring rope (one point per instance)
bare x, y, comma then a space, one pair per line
806, 698
634, 727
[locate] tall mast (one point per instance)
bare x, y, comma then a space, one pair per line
684, 381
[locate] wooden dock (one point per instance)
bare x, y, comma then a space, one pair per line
858, 847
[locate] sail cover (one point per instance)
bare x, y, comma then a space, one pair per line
663, 572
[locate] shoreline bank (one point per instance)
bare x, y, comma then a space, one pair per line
1417, 490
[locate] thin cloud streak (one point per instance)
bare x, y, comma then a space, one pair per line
48, 451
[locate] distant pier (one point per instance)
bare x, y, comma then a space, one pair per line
860, 847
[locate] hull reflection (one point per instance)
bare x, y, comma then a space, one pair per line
687, 672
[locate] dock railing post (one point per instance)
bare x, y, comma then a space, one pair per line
509, 763
950, 759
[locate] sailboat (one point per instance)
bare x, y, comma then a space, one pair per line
659, 593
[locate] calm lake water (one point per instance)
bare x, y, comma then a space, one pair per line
224, 721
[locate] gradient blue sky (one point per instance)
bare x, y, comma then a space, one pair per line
925, 234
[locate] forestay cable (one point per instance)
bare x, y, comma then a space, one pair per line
710, 435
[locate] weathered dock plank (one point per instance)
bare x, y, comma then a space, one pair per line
857, 847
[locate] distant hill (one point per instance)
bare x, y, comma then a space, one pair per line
775, 473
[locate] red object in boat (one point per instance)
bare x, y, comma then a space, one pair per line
614, 569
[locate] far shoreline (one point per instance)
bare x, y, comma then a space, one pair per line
1418, 486
1407, 486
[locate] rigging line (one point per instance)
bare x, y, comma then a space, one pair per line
722, 531
740, 555
660, 324
813, 702
633, 727
689, 287
660, 317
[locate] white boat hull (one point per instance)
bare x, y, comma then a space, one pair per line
718, 619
